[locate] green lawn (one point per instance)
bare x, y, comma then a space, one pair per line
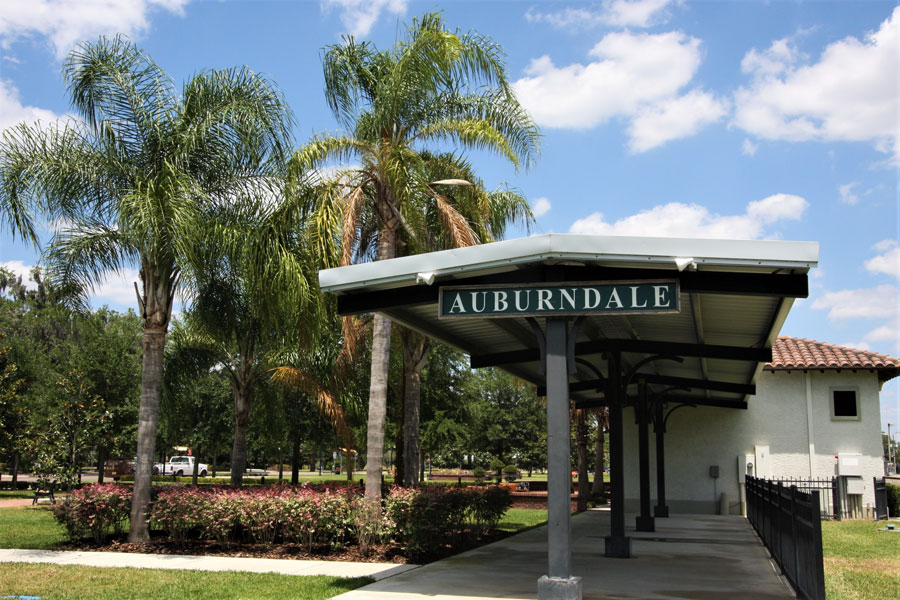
860, 561
29, 527
519, 519
7, 494
51, 582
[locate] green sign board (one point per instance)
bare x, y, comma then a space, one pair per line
547, 299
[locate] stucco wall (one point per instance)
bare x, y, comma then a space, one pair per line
699, 437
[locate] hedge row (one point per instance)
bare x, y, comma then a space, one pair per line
893, 500
326, 515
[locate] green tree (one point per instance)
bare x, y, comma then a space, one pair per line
137, 179
12, 412
434, 86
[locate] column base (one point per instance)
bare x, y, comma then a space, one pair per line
660, 512
618, 547
559, 588
645, 524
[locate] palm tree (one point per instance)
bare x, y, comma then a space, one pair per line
137, 180
250, 297
435, 86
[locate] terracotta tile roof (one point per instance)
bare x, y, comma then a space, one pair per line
799, 353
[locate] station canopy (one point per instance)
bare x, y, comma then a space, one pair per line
721, 304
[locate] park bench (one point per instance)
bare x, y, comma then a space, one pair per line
44, 491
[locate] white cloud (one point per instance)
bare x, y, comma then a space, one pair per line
748, 148
117, 289
66, 22
673, 119
12, 110
541, 207
358, 16
692, 220
865, 303
888, 262
879, 303
638, 77
20, 269
616, 13
850, 94
846, 193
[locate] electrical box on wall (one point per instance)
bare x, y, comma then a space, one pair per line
746, 465
761, 466
855, 485
849, 464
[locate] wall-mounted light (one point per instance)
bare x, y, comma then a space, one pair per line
685, 263
426, 278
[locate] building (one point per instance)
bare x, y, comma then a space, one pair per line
815, 415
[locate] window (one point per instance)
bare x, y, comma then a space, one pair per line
844, 405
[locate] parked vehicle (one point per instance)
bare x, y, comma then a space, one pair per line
180, 466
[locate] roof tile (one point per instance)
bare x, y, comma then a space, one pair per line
799, 353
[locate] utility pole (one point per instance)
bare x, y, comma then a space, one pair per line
891, 449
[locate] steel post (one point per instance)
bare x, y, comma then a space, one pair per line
644, 521
559, 583
617, 545
661, 510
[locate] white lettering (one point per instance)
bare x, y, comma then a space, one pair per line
457, 305
544, 297
500, 303
614, 297
634, 303
568, 296
590, 303
475, 301
519, 306
660, 296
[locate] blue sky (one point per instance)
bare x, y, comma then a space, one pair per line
762, 120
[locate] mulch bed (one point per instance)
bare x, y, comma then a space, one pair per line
382, 553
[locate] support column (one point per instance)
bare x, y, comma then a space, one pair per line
661, 510
644, 521
558, 584
617, 545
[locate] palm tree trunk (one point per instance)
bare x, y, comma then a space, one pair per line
381, 357
584, 483
241, 425
599, 488
415, 349
295, 462
154, 341
15, 469
195, 472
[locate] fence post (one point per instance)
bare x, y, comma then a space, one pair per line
836, 498
794, 537
818, 586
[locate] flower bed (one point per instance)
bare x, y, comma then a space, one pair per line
319, 516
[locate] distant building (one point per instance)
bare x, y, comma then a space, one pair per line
816, 414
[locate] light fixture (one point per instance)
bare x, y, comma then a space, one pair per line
685, 263
426, 278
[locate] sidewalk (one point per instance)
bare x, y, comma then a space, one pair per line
376, 571
696, 556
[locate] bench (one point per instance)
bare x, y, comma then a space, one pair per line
41, 492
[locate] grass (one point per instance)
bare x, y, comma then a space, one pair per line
51, 582
860, 561
30, 528
520, 519
12, 494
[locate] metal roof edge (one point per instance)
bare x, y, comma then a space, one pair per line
611, 249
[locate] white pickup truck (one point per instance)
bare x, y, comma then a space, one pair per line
180, 466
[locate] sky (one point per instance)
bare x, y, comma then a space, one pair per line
746, 120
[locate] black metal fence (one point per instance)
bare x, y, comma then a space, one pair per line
881, 503
789, 522
831, 504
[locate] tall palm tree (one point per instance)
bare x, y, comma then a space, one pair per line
137, 180
434, 87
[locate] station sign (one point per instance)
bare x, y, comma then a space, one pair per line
563, 299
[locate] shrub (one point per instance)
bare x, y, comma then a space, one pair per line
497, 469
478, 472
893, 500
94, 510
510, 472
179, 510
489, 505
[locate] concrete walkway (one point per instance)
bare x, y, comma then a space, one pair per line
207, 563
699, 556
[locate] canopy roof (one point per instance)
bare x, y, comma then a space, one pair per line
734, 298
